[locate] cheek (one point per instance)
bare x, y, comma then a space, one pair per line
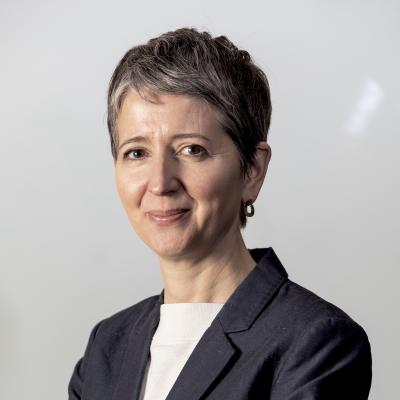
129, 189
218, 192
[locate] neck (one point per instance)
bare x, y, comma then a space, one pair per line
209, 278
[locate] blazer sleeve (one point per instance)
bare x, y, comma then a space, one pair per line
78, 376
331, 360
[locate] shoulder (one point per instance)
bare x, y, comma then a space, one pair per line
120, 324
303, 307
322, 348
316, 329
300, 322
314, 319
107, 341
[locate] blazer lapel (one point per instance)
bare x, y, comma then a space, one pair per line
211, 355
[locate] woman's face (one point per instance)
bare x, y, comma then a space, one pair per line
177, 174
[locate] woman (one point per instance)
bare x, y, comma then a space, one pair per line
188, 117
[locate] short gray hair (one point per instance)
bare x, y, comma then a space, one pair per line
189, 62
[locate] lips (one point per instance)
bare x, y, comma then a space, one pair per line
167, 213
168, 217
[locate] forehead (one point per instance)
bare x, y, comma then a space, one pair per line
166, 112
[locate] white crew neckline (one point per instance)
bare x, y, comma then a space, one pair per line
182, 322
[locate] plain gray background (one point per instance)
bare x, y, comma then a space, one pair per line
329, 206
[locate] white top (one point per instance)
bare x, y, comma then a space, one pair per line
180, 328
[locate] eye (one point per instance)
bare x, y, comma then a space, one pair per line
134, 154
194, 150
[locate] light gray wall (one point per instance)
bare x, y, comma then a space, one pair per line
329, 206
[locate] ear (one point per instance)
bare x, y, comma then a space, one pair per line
257, 172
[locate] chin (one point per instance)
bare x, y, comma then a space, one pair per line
167, 248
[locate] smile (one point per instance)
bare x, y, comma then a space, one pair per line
167, 217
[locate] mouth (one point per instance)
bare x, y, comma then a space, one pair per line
167, 216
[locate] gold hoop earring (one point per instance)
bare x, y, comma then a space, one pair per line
247, 213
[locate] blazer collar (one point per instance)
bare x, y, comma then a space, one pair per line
215, 352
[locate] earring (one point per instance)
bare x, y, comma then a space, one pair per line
247, 213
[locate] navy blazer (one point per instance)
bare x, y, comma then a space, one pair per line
272, 339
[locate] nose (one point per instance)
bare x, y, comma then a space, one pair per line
163, 175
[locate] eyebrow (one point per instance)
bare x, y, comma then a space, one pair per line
136, 139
